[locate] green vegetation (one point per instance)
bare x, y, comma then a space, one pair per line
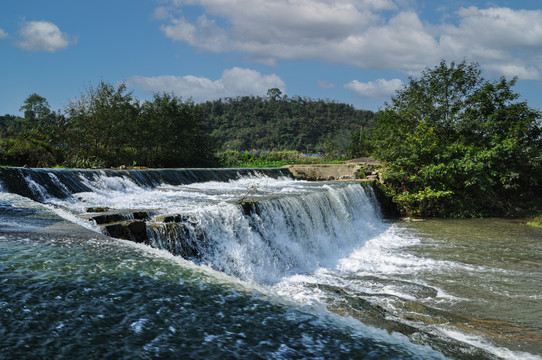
277, 123
455, 144
107, 127
272, 159
535, 222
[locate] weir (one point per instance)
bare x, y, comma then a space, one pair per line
256, 224
309, 242
37, 184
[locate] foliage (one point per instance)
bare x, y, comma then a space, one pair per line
21, 152
360, 143
29, 141
106, 127
271, 159
100, 123
280, 123
171, 134
535, 222
458, 145
36, 109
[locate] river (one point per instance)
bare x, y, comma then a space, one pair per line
308, 270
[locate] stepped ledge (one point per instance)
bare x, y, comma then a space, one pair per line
362, 170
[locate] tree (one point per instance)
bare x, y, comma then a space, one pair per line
458, 145
274, 94
360, 143
35, 108
170, 133
101, 123
282, 123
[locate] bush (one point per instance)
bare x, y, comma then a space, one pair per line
28, 152
458, 145
271, 159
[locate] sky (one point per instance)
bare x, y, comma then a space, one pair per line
357, 52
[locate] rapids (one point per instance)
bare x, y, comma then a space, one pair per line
279, 268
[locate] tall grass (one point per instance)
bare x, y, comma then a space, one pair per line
273, 158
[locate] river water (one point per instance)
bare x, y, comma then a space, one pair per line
312, 271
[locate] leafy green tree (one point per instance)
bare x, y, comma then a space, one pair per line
277, 122
458, 145
360, 143
170, 134
30, 141
10, 125
39, 121
36, 108
274, 94
101, 123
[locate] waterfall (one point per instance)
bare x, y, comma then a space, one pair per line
270, 239
258, 225
41, 184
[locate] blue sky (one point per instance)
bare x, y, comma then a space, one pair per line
353, 51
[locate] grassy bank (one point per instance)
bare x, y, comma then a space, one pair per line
274, 159
535, 222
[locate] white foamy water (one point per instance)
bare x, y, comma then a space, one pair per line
289, 234
124, 193
309, 242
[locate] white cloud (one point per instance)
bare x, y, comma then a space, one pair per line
43, 36
513, 70
161, 13
3, 34
379, 89
234, 82
506, 41
203, 34
372, 34
339, 31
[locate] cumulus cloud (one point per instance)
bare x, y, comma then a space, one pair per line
506, 41
3, 34
43, 36
379, 89
371, 34
234, 82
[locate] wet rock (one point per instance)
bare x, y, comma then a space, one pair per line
176, 237
250, 207
138, 230
169, 218
118, 231
108, 218
97, 209
141, 215
135, 230
175, 218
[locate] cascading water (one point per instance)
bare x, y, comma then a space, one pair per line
272, 238
321, 244
256, 228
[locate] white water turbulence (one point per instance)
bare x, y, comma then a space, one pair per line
441, 284
290, 227
290, 234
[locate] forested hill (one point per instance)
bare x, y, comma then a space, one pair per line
107, 126
277, 122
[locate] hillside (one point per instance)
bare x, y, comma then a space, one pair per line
281, 123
